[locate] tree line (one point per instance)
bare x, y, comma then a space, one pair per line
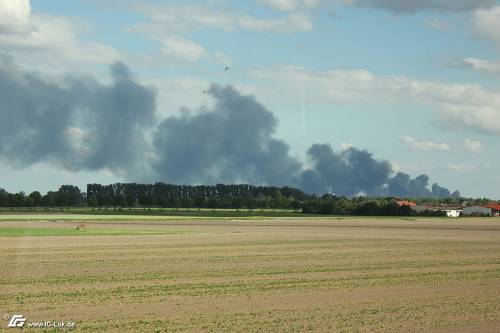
66, 196
194, 196
363, 206
237, 196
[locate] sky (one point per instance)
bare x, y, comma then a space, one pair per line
416, 83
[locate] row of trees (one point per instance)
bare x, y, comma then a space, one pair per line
240, 196
333, 205
190, 196
66, 196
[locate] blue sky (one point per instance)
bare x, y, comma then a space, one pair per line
418, 85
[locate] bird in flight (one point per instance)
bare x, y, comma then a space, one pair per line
227, 68
205, 91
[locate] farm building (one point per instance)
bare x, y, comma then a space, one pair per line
453, 212
450, 211
401, 203
489, 209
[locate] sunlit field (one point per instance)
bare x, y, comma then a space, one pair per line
153, 274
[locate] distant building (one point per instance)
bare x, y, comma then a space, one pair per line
495, 209
422, 208
453, 212
449, 210
489, 209
401, 203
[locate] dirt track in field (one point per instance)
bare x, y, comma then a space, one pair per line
272, 275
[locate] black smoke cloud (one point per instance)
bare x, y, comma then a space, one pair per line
81, 124
414, 6
356, 172
348, 173
229, 143
402, 185
75, 122
233, 143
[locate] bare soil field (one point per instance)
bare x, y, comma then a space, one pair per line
269, 275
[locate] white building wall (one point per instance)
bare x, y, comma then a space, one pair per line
449, 212
453, 212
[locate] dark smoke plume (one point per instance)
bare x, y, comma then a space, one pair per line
349, 173
230, 143
75, 122
355, 172
81, 124
402, 185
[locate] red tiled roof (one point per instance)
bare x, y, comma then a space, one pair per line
493, 206
406, 203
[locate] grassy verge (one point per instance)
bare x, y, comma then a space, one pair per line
195, 212
190, 212
18, 232
88, 217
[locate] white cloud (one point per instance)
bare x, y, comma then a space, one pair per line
456, 105
462, 167
428, 146
468, 167
17, 10
488, 66
290, 5
481, 118
468, 145
291, 23
169, 24
53, 43
487, 24
14, 17
472, 146
311, 3
175, 49
284, 5
346, 145
167, 19
183, 48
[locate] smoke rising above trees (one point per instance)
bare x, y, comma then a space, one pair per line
229, 143
79, 123
349, 173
